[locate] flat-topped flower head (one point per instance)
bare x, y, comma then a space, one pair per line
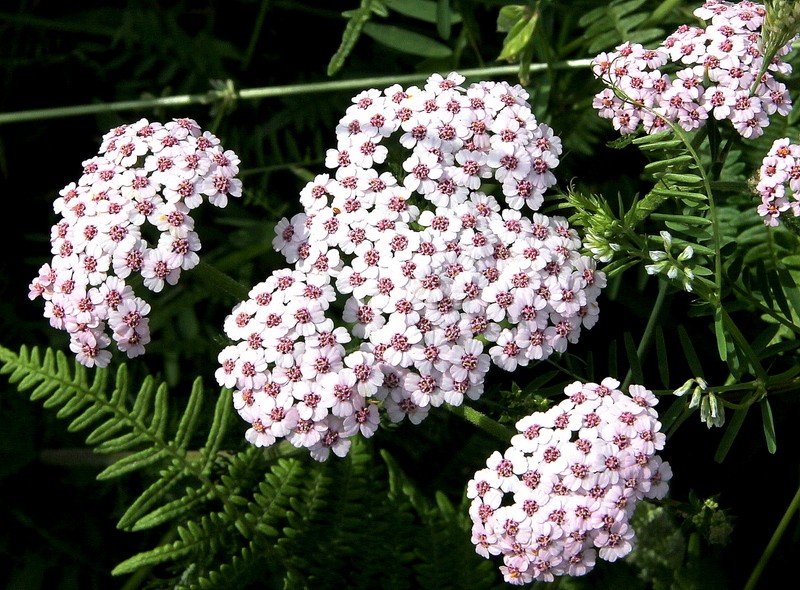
574, 475
145, 173
718, 71
433, 249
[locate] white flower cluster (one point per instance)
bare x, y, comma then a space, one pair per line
145, 173
429, 277
696, 73
562, 494
779, 181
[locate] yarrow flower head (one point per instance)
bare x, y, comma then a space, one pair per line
779, 182
437, 279
145, 173
714, 71
562, 494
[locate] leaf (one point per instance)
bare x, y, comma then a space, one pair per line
428, 11
519, 36
444, 19
662, 357
357, 19
734, 424
406, 41
633, 359
719, 332
689, 352
769, 425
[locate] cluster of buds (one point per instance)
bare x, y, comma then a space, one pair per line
779, 181
410, 278
145, 174
562, 494
675, 268
714, 71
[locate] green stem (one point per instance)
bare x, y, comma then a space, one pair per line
482, 421
265, 92
773, 542
218, 280
742, 342
254, 36
649, 329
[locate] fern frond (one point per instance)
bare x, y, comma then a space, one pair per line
138, 434
444, 555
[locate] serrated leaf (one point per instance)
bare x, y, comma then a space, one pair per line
151, 496
132, 462
161, 554
719, 332
190, 415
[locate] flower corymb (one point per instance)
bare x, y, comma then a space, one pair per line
144, 173
715, 71
410, 277
562, 494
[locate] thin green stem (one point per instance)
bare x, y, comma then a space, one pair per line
649, 329
482, 421
744, 345
254, 36
218, 280
794, 505
265, 92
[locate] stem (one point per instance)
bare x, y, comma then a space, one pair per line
265, 92
218, 280
773, 542
649, 329
742, 342
482, 421
251, 46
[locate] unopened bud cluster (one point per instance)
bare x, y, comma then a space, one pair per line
697, 72
146, 174
410, 278
563, 493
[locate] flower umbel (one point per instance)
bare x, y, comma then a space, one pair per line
145, 173
436, 277
718, 71
562, 495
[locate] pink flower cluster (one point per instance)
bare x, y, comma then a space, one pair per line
780, 169
405, 289
562, 494
696, 73
145, 174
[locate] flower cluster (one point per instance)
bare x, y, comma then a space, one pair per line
562, 494
715, 71
145, 174
410, 279
779, 181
